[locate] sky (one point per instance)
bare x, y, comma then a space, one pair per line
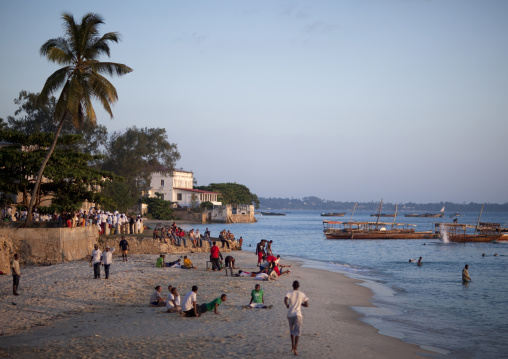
405, 100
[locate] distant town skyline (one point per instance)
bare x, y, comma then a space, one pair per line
342, 100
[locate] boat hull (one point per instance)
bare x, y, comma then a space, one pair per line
476, 238
340, 214
379, 235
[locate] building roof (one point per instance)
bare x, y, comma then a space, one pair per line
196, 190
160, 168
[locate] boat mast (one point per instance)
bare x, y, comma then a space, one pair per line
379, 213
479, 218
353, 212
395, 215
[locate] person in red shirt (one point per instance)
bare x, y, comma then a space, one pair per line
215, 254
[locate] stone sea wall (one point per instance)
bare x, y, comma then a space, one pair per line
53, 245
46, 245
147, 245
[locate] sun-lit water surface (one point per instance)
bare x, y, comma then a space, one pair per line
425, 305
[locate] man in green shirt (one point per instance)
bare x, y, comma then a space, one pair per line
257, 299
213, 305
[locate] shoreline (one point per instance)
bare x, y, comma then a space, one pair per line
116, 316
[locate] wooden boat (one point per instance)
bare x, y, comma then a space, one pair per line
272, 214
373, 230
427, 215
383, 215
459, 232
333, 214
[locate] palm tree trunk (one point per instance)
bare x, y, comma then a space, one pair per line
29, 216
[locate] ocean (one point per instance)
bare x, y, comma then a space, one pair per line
428, 305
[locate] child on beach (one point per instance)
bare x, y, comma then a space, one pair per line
156, 300
173, 301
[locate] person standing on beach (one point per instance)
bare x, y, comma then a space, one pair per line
124, 246
16, 273
107, 259
294, 300
189, 306
95, 259
214, 257
269, 248
465, 275
260, 251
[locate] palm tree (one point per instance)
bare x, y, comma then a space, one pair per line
81, 77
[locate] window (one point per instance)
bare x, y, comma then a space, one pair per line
162, 183
178, 196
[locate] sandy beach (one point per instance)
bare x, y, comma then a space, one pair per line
63, 312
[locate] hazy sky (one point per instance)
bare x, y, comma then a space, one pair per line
345, 100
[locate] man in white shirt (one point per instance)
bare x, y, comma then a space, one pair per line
95, 259
107, 259
189, 306
294, 300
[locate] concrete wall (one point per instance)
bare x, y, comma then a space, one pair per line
47, 245
6, 254
224, 214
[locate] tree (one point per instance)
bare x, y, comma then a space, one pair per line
69, 181
194, 201
33, 117
158, 208
120, 196
137, 153
81, 78
232, 193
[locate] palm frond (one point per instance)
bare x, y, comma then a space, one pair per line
104, 91
100, 46
112, 68
57, 50
61, 104
53, 83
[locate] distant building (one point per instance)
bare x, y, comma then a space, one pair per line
178, 188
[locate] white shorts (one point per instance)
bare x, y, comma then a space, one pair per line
295, 325
256, 305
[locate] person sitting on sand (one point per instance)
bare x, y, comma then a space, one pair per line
229, 262
156, 300
187, 264
189, 306
160, 261
257, 299
173, 301
213, 305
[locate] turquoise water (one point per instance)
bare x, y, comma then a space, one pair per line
426, 305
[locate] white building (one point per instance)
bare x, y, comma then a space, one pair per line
178, 188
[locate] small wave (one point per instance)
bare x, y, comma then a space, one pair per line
349, 268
